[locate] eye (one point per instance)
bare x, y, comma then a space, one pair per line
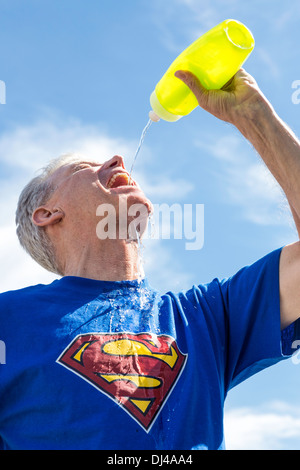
80, 166
85, 165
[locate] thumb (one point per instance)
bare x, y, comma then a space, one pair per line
194, 84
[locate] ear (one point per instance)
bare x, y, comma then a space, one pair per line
42, 216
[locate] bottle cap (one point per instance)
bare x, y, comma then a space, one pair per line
153, 116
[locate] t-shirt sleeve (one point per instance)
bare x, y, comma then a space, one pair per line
252, 309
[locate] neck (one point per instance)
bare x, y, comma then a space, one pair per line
114, 260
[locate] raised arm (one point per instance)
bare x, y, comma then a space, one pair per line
242, 104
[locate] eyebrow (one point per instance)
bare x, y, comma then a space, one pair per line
71, 168
75, 165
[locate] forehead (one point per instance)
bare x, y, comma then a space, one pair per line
68, 168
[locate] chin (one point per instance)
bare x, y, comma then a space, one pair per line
138, 198
137, 217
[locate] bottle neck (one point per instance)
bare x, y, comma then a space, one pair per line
160, 111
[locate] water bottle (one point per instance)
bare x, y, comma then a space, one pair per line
214, 58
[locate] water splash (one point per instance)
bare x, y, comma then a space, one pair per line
140, 264
139, 146
136, 239
151, 226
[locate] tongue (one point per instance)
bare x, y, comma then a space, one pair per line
121, 180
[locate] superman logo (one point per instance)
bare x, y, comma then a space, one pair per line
138, 371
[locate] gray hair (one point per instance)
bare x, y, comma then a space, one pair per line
37, 192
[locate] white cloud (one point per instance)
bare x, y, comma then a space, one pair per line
181, 22
17, 268
282, 23
164, 268
255, 190
273, 426
30, 147
245, 181
268, 63
164, 188
226, 148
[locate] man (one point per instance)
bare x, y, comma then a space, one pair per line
97, 359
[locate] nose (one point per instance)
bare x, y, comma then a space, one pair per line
116, 160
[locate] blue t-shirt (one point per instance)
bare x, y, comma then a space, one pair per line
114, 365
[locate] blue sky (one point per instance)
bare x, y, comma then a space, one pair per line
78, 78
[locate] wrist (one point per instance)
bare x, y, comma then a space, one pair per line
253, 105
253, 116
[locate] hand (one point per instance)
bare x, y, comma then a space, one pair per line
240, 97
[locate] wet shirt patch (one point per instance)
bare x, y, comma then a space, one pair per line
138, 371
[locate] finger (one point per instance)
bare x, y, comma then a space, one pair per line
194, 84
189, 79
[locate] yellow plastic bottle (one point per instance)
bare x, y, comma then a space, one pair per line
214, 58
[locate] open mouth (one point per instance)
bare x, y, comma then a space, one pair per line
119, 179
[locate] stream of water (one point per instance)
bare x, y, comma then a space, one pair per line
139, 146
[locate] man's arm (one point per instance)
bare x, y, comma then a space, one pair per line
242, 104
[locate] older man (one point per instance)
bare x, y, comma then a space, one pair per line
98, 359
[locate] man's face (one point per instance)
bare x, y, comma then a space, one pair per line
81, 188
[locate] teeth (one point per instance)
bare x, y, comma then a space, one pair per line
113, 178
